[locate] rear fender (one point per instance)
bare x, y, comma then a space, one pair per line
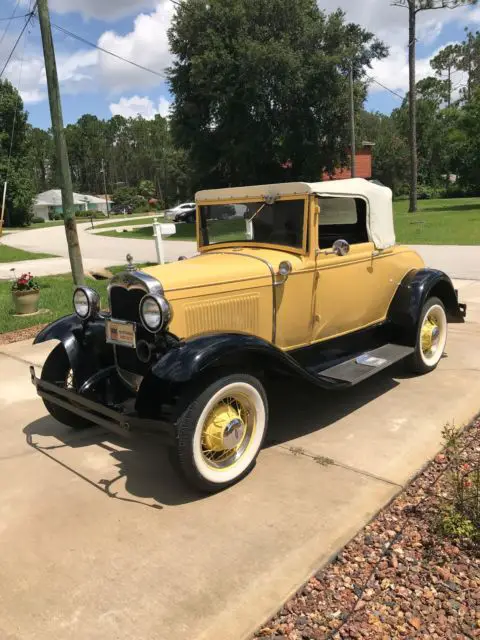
414, 290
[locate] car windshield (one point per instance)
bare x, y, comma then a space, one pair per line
279, 223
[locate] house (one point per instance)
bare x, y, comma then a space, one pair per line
49, 203
363, 165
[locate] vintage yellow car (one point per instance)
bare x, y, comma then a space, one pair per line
297, 278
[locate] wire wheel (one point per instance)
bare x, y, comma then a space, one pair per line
221, 432
433, 335
228, 431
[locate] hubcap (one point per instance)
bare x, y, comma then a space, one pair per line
430, 335
227, 431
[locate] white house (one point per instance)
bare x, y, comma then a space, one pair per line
49, 203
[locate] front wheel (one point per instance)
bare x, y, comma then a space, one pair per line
431, 337
220, 434
56, 370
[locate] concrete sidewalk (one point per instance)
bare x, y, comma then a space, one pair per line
102, 540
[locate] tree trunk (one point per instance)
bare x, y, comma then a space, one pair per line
412, 17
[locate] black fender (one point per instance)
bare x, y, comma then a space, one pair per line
84, 343
412, 293
194, 359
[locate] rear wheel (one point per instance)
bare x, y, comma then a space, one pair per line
431, 337
57, 370
220, 434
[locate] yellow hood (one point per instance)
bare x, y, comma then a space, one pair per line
210, 270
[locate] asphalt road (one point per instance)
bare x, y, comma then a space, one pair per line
97, 251
101, 539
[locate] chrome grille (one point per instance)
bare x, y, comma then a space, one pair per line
126, 291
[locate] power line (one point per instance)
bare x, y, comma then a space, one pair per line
110, 53
27, 22
398, 95
12, 17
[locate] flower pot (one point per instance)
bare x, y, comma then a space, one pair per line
25, 301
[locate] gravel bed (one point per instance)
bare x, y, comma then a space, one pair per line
397, 578
21, 334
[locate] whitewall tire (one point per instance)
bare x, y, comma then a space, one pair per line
431, 337
220, 434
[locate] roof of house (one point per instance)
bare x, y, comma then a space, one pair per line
53, 198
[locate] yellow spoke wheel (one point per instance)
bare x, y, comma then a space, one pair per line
431, 337
221, 433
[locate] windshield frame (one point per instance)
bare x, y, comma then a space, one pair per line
243, 243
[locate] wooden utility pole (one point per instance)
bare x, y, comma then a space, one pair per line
353, 144
412, 103
60, 144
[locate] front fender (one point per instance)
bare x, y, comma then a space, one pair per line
84, 343
414, 290
182, 366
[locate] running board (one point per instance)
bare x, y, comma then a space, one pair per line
355, 370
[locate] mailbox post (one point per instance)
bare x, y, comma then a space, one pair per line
161, 231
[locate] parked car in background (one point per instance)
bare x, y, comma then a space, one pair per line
305, 280
184, 212
122, 208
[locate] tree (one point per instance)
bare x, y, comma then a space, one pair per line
14, 167
445, 62
468, 158
390, 153
414, 8
41, 157
259, 84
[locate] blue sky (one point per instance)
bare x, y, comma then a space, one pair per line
92, 82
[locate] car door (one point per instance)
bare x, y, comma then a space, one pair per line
352, 291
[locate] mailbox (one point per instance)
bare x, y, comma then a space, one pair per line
167, 229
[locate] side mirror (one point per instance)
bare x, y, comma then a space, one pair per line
284, 270
341, 248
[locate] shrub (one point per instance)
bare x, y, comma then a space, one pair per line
96, 215
38, 220
460, 515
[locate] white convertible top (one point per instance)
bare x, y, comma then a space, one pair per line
379, 200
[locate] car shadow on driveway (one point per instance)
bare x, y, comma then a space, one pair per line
298, 409
142, 469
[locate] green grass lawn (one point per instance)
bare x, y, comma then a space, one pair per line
39, 225
449, 221
221, 230
55, 297
125, 223
10, 254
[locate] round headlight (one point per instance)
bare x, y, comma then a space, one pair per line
155, 313
86, 302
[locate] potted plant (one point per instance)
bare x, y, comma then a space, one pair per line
25, 294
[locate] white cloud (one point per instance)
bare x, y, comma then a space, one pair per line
76, 73
138, 106
102, 9
146, 44
390, 24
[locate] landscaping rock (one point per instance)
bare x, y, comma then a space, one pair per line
397, 578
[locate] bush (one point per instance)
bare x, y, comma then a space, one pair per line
37, 220
461, 513
96, 215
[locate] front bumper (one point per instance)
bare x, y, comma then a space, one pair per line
122, 423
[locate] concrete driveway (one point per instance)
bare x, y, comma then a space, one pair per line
101, 540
